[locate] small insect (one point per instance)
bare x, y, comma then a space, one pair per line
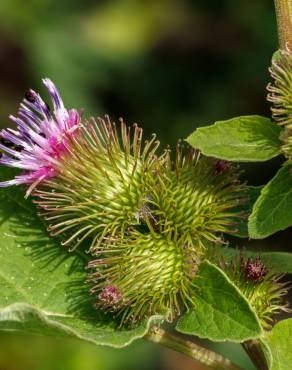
10, 144
6, 142
29, 96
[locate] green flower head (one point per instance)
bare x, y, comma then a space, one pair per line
146, 274
198, 198
262, 287
151, 269
101, 185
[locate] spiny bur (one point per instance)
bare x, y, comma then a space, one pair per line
280, 95
262, 287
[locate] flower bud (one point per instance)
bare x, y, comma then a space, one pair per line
189, 204
262, 288
198, 197
253, 269
152, 273
280, 95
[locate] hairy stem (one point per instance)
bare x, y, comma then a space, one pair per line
284, 21
254, 351
196, 352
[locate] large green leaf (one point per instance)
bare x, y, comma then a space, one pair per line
43, 287
221, 312
278, 346
245, 138
273, 209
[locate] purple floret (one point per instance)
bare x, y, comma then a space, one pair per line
40, 139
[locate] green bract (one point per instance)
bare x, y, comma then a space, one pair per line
280, 91
151, 268
262, 288
101, 184
280, 95
146, 273
199, 198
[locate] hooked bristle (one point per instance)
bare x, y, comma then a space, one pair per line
152, 273
261, 286
101, 184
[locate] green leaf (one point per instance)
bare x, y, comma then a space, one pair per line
221, 312
245, 138
25, 318
252, 193
267, 353
43, 287
272, 210
277, 346
278, 261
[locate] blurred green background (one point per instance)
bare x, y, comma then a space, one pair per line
169, 65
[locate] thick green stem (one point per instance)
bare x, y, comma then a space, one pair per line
284, 21
253, 349
196, 352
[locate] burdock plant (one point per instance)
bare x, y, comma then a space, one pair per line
142, 227
146, 219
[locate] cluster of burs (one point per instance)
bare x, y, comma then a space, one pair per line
147, 218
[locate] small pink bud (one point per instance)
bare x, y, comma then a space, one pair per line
109, 297
254, 270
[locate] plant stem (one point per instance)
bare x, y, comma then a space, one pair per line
196, 352
284, 21
254, 351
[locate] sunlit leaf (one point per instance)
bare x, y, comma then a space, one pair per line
220, 312
245, 138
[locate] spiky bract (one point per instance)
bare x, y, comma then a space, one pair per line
198, 198
280, 95
153, 274
101, 184
280, 91
263, 288
189, 204
146, 219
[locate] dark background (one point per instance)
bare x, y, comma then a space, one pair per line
169, 65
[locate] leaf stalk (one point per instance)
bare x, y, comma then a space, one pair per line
192, 350
254, 351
